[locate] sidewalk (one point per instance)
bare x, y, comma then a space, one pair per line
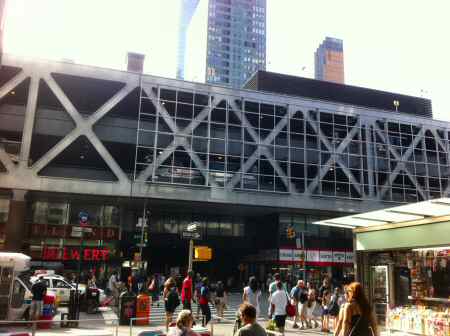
219, 329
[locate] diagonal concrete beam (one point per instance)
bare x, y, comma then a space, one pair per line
83, 127
12, 83
6, 160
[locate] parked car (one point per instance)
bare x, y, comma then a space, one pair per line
61, 288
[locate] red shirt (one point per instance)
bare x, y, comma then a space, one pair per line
186, 290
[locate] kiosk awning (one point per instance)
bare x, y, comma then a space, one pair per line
396, 215
423, 224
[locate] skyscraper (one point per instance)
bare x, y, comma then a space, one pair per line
226, 41
188, 8
329, 60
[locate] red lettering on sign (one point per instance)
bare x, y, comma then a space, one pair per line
65, 254
55, 253
87, 254
95, 254
105, 254
75, 255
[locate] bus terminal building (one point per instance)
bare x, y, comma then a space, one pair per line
245, 165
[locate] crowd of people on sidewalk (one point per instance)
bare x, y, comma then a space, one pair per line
344, 310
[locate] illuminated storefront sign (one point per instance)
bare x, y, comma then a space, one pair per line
66, 254
316, 257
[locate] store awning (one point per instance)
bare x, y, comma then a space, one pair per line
395, 216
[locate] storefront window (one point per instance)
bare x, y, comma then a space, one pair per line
170, 224
226, 226
111, 215
4, 210
50, 213
213, 227
238, 228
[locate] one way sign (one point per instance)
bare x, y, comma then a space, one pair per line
191, 235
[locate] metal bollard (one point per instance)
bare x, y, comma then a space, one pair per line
33, 329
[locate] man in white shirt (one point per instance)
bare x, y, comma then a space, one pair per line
113, 287
278, 305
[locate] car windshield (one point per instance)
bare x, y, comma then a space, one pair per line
26, 280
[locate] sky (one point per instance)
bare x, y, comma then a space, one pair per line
391, 45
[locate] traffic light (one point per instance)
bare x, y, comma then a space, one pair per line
202, 253
290, 232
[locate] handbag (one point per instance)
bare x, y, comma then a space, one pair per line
356, 324
290, 308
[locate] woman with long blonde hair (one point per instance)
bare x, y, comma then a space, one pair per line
356, 317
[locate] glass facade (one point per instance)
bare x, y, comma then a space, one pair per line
55, 213
236, 46
4, 210
192, 138
210, 226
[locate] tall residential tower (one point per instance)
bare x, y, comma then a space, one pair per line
329, 61
226, 41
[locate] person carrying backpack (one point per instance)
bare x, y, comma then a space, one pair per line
171, 300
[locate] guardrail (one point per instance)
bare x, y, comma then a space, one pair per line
115, 324
34, 324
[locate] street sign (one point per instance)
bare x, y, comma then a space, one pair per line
191, 235
141, 245
192, 227
77, 232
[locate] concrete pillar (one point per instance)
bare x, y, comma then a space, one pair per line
15, 226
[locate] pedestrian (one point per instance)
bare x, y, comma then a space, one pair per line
153, 289
171, 300
186, 291
278, 305
268, 282
248, 317
356, 316
313, 311
273, 284
252, 294
38, 290
325, 287
337, 300
220, 301
205, 298
113, 287
326, 299
198, 287
132, 282
298, 298
185, 321
92, 282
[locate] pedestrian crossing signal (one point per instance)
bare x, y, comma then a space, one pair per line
202, 253
290, 233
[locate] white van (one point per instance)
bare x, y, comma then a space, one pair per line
15, 289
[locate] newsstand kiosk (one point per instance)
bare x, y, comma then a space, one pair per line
403, 262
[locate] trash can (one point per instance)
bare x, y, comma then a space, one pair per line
143, 309
127, 307
73, 310
92, 300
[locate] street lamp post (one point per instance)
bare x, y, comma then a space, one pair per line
191, 228
141, 245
